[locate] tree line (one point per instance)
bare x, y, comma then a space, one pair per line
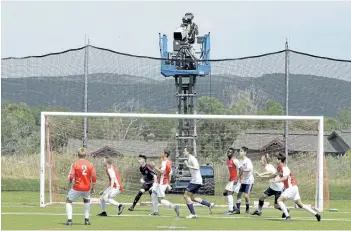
21, 126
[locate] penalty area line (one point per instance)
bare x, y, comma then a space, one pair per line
169, 216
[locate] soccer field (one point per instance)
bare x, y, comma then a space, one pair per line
20, 211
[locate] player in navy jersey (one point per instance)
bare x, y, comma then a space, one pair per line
148, 179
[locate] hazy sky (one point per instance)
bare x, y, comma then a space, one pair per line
237, 28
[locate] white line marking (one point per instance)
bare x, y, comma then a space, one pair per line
207, 217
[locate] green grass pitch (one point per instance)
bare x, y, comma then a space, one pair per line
21, 211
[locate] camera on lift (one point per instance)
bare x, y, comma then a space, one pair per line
183, 39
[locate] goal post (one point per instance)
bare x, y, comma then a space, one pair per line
45, 157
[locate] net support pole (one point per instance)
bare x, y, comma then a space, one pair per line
42, 159
85, 123
286, 132
320, 160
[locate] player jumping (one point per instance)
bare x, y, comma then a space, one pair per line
84, 175
195, 183
162, 183
149, 177
234, 184
113, 188
274, 189
291, 190
247, 180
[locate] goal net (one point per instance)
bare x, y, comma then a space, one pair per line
124, 136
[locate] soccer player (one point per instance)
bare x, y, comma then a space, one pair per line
274, 189
234, 184
247, 180
113, 188
149, 177
195, 183
159, 187
84, 175
291, 190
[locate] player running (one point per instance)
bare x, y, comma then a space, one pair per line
84, 175
247, 180
162, 183
195, 183
274, 189
291, 190
113, 188
234, 184
149, 177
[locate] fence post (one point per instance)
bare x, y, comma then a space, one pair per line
86, 63
286, 132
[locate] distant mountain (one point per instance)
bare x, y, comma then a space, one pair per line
308, 95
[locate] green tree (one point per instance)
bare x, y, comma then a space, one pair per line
344, 117
20, 133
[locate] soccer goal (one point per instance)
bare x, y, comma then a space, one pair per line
124, 136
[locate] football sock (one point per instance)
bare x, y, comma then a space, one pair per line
167, 203
230, 202
283, 208
260, 205
191, 208
309, 209
154, 202
103, 204
203, 202
112, 201
69, 211
86, 210
137, 198
247, 200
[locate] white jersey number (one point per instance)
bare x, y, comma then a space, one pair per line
84, 170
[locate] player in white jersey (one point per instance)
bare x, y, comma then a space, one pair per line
247, 180
274, 189
195, 183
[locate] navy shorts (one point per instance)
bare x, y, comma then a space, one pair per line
245, 188
270, 192
193, 188
147, 186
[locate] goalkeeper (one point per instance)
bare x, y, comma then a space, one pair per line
149, 176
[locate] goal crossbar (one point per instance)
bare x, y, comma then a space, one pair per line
320, 152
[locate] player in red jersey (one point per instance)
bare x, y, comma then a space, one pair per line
234, 183
163, 180
291, 190
113, 188
84, 175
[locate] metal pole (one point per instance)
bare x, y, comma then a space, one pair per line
286, 133
85, 125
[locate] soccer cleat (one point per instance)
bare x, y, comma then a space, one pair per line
230, 213
87, 222
120, 209
155, 214
102, 214
131, 208
318, 217
69, 222
288, 218
283, 215
212, 205
247, 211
176, 209
191, 216
236, 212
256, 212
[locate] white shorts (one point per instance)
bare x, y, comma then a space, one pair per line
74, 194
291, 193
107, 195
160, 189
231, 187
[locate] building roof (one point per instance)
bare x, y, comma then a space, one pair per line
124, 147
300, 141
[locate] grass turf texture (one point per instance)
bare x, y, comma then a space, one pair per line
20, 211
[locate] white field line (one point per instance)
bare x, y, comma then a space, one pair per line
207, 217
